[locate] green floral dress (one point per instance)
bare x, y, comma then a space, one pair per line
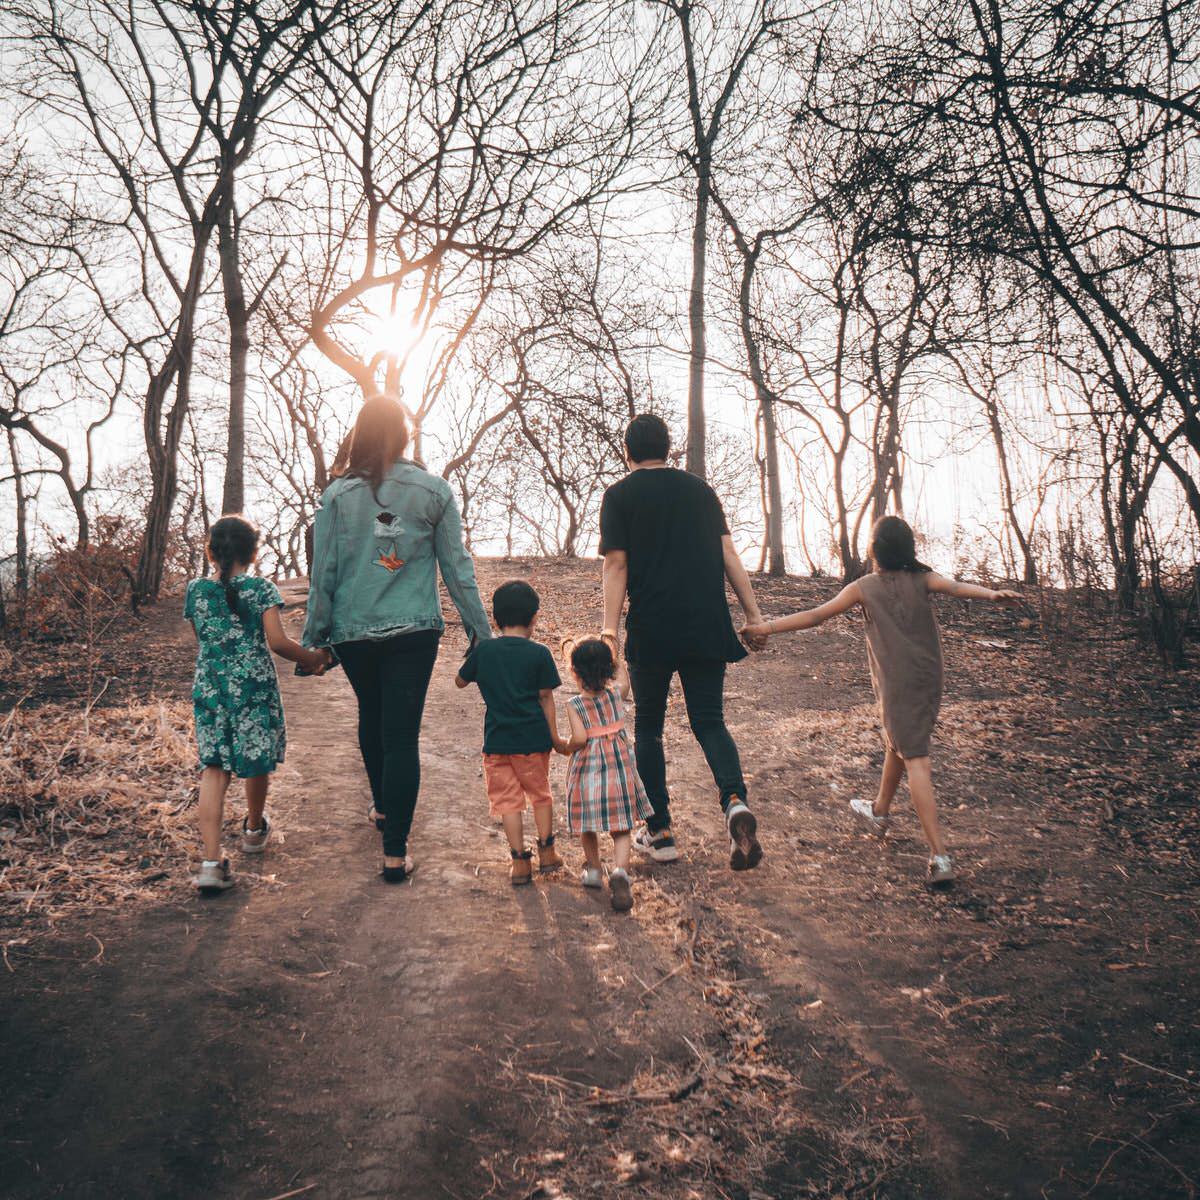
239, 716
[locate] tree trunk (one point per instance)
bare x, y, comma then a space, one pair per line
162, 443
21, 580
698, 352
776, 564
233, 494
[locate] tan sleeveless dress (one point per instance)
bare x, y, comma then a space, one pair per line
904, 648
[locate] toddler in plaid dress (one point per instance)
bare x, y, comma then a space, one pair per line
604, 793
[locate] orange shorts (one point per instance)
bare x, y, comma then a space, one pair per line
511, 779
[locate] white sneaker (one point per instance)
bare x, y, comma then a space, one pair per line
941, 871
254, 841
864, 810
592, 878
659, 846
214, 877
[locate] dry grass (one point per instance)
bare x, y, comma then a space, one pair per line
91, 807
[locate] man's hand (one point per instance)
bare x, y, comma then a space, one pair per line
1008, 598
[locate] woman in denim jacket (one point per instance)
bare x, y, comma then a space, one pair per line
383, 530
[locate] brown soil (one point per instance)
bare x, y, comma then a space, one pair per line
823, 1026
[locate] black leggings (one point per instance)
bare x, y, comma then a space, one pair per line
704, 693
390, 679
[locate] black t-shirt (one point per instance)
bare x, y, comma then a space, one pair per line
670, 525
511, 671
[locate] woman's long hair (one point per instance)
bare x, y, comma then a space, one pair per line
377, 442
232, 540
893, 546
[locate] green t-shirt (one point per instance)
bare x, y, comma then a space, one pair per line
511, 671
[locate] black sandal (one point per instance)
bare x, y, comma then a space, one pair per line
399, 874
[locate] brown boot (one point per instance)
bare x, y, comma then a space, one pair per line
522, 867
549, 859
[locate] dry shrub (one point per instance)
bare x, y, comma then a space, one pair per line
91, 804
78, 590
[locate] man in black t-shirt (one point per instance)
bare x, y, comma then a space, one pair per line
666, 545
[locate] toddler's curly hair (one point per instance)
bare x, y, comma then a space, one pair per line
592, 660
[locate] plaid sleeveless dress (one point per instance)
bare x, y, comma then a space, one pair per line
604, 793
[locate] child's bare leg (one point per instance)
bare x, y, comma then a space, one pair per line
543, 818
514, 830
256, 800
590, 842
920, 788
889, 781
214, 783
621, 844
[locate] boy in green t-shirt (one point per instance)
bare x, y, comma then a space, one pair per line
517, 678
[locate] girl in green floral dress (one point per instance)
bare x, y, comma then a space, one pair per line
239, 716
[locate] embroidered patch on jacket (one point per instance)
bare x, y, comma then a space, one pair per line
388, 529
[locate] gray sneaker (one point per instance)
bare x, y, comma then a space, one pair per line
214, 877
254, 841
941, 871
592, 878
864, 810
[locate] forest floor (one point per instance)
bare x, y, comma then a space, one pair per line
823, 1026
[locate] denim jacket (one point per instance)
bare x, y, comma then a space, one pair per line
376, 558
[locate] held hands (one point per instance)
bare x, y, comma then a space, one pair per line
755, 633
317, 662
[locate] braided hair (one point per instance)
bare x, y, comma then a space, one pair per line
232, 540
893, 546
592, 660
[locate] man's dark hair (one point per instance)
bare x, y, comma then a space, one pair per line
514, 603
647, 437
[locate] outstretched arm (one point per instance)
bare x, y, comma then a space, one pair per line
969, 591
846, 599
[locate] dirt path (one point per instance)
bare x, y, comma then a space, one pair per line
820, 1027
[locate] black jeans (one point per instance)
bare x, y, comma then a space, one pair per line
390, 679
704, 693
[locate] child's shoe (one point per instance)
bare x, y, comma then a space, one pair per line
254, 841
549, 859
592, 878
744, 851
620, 891
659, 846
214, 877
941, 871
864, 810
522, 867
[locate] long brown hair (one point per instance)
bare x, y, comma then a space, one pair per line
378, 440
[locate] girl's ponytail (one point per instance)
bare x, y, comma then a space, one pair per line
232, 540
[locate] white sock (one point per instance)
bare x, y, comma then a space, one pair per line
211, 862
617, 871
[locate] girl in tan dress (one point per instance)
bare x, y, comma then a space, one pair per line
904, 650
